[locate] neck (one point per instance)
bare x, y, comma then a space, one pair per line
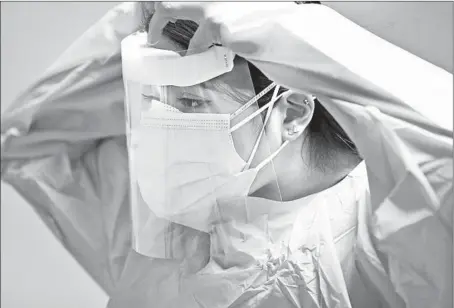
299, 178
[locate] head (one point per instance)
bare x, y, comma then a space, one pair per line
318, 145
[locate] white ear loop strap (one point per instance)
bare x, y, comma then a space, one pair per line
257, 142
253, 115
252, 101
272, 156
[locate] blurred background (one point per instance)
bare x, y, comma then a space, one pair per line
36, 269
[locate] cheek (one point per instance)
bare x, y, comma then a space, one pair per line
245, 137
270, 142
274, 130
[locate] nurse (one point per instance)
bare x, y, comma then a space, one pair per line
314, 156
320, 154
337, 236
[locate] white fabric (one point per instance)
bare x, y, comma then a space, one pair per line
63, 150
163, 67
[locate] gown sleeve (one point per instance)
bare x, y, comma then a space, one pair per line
64, 150
397, 109
63, 144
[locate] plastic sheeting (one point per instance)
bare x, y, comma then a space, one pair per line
64, 151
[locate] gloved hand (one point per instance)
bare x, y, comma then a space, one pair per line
219, 22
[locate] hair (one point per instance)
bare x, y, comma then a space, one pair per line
324, 135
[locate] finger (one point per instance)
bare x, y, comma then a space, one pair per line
244, 43
158, 22
205, 36
147, 7
155, 28
243, 47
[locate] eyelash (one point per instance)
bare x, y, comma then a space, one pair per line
190, 102
187, 102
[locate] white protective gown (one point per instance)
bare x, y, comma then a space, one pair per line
381, 238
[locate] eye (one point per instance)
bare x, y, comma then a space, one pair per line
192, 103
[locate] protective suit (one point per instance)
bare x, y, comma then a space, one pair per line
64, 151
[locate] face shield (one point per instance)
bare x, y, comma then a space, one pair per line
195, 136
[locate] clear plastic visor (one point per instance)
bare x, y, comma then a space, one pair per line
181, 167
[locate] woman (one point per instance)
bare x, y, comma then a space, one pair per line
385, 246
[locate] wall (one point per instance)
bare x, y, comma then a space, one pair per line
36, 270
423, 28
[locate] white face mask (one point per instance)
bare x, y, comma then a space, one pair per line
188, 161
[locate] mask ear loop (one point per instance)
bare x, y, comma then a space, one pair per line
272, 156
252, 101
270, 104
253, 115
257, 142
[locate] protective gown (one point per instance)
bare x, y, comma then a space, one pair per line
382, 237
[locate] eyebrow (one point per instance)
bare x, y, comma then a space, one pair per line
183, 95
193, 96
196, 91
196, 88
192, 92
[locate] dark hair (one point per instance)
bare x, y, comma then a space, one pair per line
324, 135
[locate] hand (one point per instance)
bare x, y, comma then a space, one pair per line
219, 22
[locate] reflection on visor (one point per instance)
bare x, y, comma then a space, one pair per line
223, 94
194, 99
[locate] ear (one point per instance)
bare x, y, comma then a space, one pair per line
292, 114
